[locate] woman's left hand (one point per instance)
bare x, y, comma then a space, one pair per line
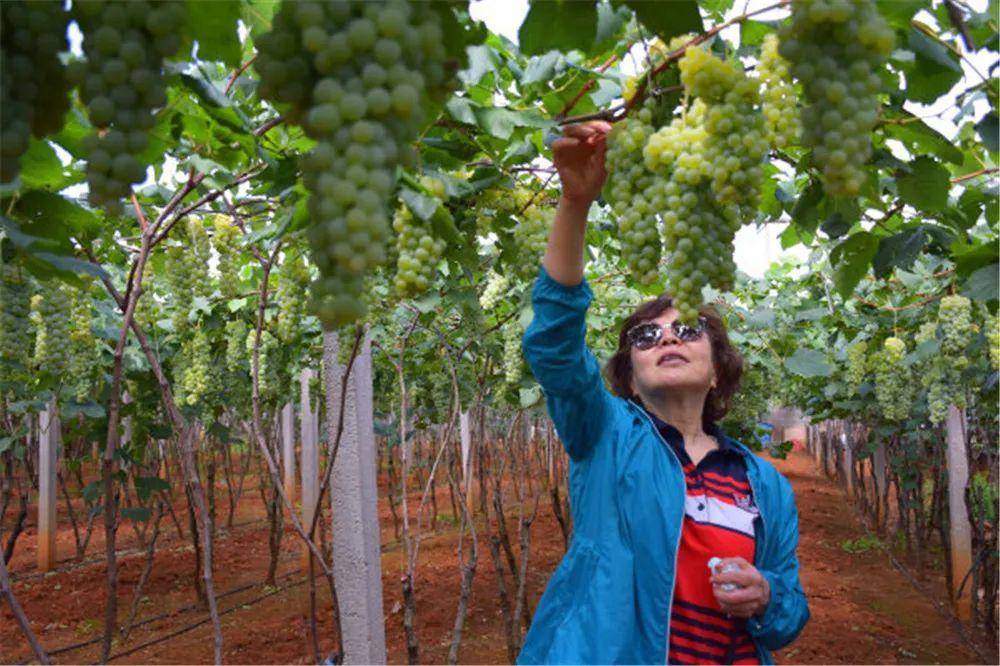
753, 595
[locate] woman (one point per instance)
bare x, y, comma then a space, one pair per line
657, 489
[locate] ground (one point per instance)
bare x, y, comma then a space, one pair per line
862, 609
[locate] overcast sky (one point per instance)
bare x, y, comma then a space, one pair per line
756, 249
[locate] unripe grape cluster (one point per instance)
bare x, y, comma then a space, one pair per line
270, 383
291, 292
121, 83
51, 312
418, 252
227, 242
196, 369
955, 321
627, 191
857, 362
497, 201
837, 48
354, 74
531, 234
84, 357
236, 336
893, 385
779, 101
993, 340
16, 337
513, 358
496, 288
34, 92
941, 374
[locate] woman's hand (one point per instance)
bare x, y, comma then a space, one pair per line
579, 158
753, 595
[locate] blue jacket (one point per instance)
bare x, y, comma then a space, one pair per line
609, 600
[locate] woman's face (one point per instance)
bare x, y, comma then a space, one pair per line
672, 364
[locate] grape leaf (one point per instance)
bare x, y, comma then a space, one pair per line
984, 284
851, 259
808, 363
213, 26
559, 25
668, 19
925, 186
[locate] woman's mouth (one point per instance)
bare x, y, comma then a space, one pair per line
671, 358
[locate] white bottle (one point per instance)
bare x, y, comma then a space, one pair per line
728, 566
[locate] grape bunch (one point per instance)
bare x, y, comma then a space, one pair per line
226, 240
496, 288
630, 192
236, 336
941, 375
513, 358
84, 355
530, 237
195, 380
499, 201
938, 377
893, 385
780, 101
51, 313
270, 383
837, 48
121, 83
993, 339
418, 252
355, 75
857, 362
955, 321
293, 284
34, 92
16, 338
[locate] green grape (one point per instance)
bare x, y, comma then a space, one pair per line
497, 285
195, 381
198, 255
625, 190
51, 311
16, 335
513, 358
497, 202
993, 339
419, 252
893, 384
121, 83
837, 49
356, 76
780, 101
34, 91
271, 383
227, 243
84, 355
293, 283
236, 335
955, 322
530, 237
857, 362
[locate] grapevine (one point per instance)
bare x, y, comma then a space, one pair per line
121, 83
780, 102
893, 386
34, 92
354, 75
837, 49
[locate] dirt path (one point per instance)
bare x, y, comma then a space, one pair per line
863, 610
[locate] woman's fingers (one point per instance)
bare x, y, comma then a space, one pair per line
588, 130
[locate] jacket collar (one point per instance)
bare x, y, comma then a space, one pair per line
673, 435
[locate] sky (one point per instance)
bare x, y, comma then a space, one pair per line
756, 249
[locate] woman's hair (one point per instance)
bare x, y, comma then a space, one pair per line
727, 360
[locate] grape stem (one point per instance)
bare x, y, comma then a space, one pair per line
236, 74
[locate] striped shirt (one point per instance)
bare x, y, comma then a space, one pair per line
719, 521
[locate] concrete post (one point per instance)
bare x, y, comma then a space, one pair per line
848, 462
48, 460
310, 456
961, 533
288, 447
357, 564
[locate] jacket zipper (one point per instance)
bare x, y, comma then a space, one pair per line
666, 656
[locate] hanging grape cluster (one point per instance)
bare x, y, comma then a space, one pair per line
857, 362
497, 202
51, 313
354, 75
293, 284
629, 191
530, 237
496, 288
121, 83
34, 92
514, 366
16, 336
941, 374
837, 48
236, 336
194, 380
893, 384
187, 272
84, 356
779, 101
993, 340
418, 250
227, 242
702, 173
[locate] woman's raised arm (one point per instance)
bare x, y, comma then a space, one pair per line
579, 158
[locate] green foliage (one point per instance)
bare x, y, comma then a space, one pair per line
862, 544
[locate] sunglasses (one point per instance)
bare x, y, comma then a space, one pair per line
646, 336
